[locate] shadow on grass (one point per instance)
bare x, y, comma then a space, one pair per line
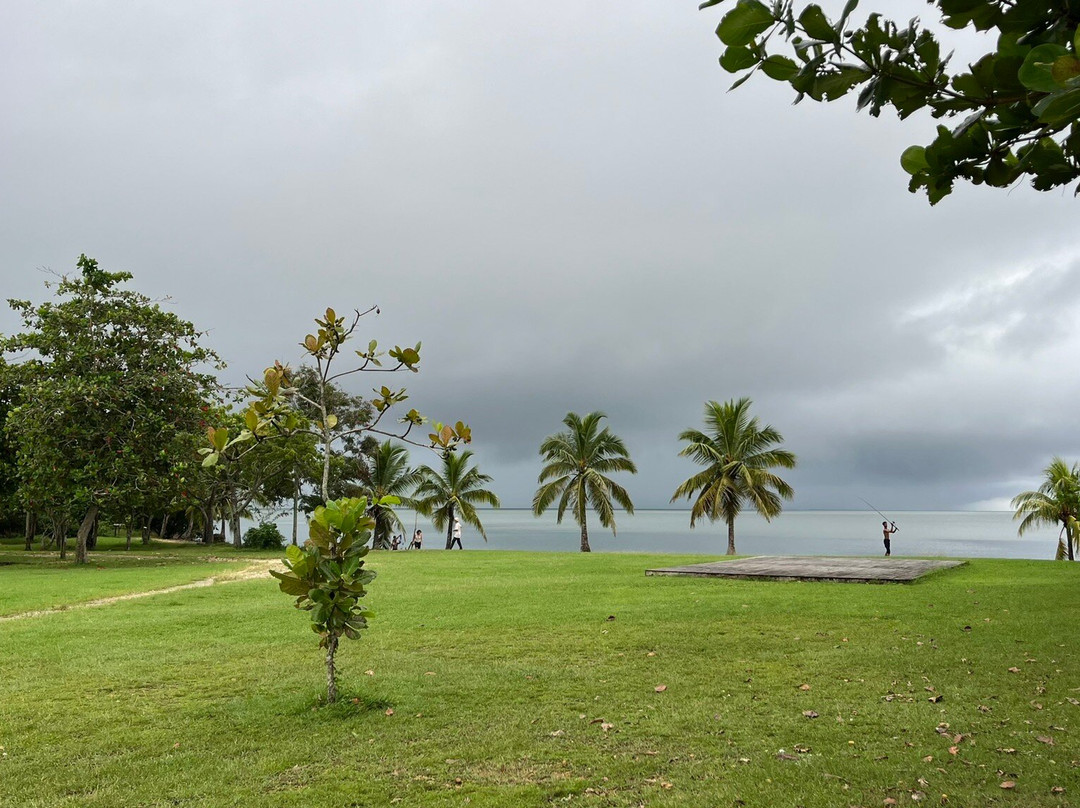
349, 705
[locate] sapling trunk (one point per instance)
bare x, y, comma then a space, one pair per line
331, 671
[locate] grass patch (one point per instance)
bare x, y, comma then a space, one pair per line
501, 678
35, 580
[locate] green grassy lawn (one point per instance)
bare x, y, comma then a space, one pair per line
522, 679
39, 580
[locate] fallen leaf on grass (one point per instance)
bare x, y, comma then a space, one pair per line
1045, 739
928, 759
804, 687
1008, 784
1006, 750
954, 750
429, 673
983, 708
1072, 701
782, 755
605, 726
389, 710
1014, 670
660, 688
176, 745
369, 673
651, 653
917, 795
810, 714
890, 801
1057, 790
935, 699
557, 733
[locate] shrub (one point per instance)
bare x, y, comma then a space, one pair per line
264, 537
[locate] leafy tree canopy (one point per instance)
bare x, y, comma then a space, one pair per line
1013, 113
111, 388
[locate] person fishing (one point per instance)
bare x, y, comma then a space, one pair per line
888, 532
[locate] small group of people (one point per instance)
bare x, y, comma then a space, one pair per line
417, 542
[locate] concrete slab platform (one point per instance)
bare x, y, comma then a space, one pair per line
814, 568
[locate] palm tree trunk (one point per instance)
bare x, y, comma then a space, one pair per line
1069, 540
731, 537
585, 548
450, 529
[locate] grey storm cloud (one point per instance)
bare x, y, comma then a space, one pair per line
566, 206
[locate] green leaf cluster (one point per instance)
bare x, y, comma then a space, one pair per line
327, 576
1014, 112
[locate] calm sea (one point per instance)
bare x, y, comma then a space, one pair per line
961, 534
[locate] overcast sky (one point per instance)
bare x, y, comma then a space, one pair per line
565, 204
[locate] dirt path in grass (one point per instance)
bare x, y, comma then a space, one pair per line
256, 569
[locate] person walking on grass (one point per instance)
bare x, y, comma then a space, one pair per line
888, 532
457, 535
417, 542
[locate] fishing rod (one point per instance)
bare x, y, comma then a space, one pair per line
879, 513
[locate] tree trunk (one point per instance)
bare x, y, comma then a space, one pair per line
31, 528
91, 540
146, 531
331, 671
189, 525
84, 534
208, 523
1069, 541
585, 548
234, 526
731, 537
60, 537
165, 526
129, 529
450, 529
295, 507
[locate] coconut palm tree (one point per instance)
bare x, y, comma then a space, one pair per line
1056, 501
384, 473
737, 453
577, 461
452, 492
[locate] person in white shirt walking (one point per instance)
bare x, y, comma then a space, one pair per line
456, 534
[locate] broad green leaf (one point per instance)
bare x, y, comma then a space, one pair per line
290, 584
1059, 107
742, 24
293, 553
913, 160
210, 460
1037, 71
780, 68
816, 24
331, 420
1064, 68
